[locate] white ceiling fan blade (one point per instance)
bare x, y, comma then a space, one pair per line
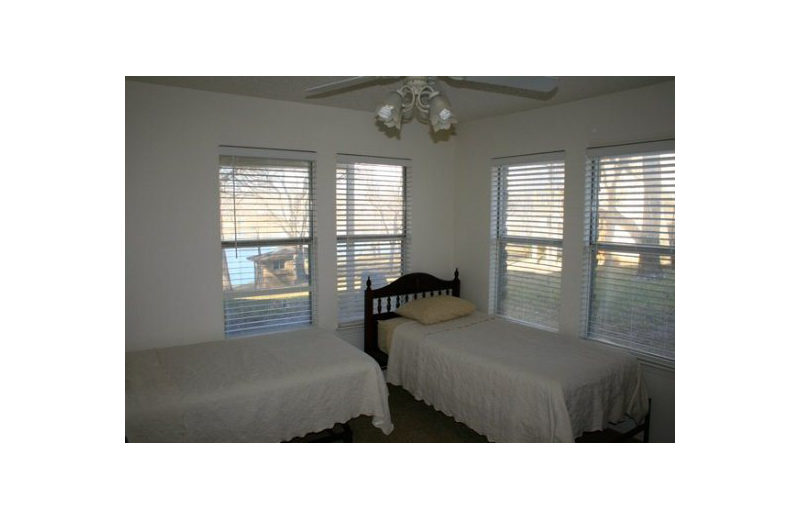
535, 83
342, 83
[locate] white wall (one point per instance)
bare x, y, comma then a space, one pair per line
173, 268
635, 115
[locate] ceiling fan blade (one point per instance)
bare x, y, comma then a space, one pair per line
535, 83
342, 83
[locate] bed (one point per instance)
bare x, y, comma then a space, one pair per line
259, 389
507, 381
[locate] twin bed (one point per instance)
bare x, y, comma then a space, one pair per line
506, 381
260, 389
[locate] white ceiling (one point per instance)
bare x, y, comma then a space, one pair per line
468, 103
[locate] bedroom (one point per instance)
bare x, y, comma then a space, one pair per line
176, 135
117, 319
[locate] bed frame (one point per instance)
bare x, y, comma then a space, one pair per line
407, 287
414, 285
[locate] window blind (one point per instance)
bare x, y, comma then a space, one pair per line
527, 231
630, 260
267, 230
372, 227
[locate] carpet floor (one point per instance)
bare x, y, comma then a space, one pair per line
414, 421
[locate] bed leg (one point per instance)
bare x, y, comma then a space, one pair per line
647, 421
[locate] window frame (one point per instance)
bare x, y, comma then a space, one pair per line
499, 172
593, 246
310, 240
351, 239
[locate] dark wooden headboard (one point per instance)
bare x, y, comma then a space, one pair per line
378, 303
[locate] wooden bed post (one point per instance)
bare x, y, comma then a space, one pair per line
456, 285
368, 321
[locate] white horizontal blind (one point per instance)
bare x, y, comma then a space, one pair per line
630, 227
372, 224
527, 231
266, 217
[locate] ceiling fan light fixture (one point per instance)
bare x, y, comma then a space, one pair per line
390, 111
441, 113
418, 96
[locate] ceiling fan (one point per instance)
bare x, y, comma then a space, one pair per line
420, 95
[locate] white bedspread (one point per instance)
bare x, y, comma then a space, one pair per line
514, 383
261, 389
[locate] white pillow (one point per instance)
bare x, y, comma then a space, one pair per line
436, 309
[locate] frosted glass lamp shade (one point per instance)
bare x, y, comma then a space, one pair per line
390, 111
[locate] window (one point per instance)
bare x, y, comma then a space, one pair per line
630, 298
372, 227
527, 230
266, 217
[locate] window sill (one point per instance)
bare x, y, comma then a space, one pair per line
351, 325
654, 362
644, 358
303, 326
